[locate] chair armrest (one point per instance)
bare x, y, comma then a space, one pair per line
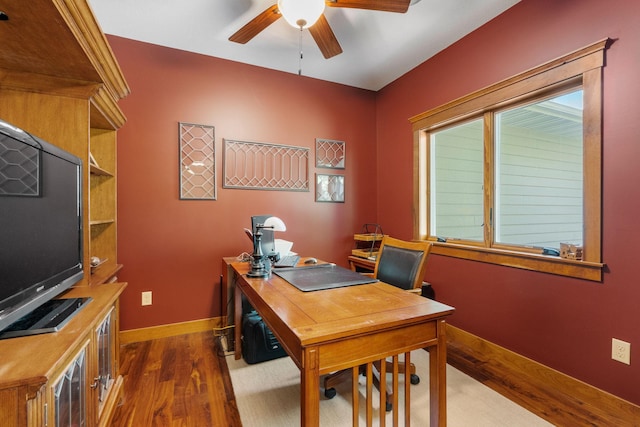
368, 275
416, 291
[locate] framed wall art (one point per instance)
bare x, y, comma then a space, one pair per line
262, 166
197, 162
330, 154
329, 188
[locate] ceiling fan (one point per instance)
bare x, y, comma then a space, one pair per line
319, 29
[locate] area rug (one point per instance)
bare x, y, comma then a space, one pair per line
268, 395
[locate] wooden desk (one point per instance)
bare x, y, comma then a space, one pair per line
325, 331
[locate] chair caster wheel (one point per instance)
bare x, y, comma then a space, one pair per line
388, 406
330, 393
414, 379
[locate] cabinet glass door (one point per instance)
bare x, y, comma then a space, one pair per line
70, 394
105, 338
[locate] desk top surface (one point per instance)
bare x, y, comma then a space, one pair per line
336, 313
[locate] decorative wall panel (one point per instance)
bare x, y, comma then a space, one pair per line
260, 166
197, 162
330, 154
329, 188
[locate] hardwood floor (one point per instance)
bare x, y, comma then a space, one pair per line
178, 381
184, 381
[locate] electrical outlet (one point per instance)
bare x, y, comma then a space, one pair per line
621, 351
146, 298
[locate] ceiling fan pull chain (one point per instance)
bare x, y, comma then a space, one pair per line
300, 48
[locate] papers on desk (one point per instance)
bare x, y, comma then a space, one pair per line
283, 247
322, 276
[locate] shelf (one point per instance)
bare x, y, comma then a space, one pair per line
96, 170
101, 222
368, 237
365, 253
94, 267
103, 273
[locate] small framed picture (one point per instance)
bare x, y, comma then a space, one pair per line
329, 188
330, 154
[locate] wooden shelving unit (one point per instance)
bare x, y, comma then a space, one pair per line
60, 81
367, 242
103, 206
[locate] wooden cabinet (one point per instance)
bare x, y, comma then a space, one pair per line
57, 378
60, 81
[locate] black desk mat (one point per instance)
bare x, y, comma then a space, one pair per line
322, 276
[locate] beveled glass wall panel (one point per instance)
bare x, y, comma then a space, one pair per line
330, 154
197, 162
329, 188
260, 166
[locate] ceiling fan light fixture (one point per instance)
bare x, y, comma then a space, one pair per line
301, 13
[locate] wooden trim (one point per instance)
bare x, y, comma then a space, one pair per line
105, 111
524, 260
51, 85
552, 395
583, 68
169, 330
85, 28
587, 57
112, 401
592, 173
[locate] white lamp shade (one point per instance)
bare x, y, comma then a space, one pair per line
301, 13
276, 223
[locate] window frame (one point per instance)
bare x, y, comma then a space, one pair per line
581, 68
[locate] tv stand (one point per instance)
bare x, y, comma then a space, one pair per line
49, 317
72, 374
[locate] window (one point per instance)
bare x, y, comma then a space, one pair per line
456, 180
538, 173
506, 174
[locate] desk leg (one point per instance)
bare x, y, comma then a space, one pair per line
438, 379
237, 301
310, 389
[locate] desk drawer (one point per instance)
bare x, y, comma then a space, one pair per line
359, 350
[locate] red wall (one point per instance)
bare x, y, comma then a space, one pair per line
175, 247
561, 322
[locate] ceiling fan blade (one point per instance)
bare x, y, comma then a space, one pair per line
399, 6
256, 25
325, 38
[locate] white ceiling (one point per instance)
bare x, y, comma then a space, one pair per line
378, 47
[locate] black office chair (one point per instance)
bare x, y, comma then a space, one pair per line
401, 264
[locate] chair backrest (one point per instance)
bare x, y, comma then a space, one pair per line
401, 263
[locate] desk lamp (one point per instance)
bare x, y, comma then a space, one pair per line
258, 268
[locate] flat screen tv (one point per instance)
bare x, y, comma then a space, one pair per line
41, 251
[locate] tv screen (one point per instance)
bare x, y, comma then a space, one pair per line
41, 251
